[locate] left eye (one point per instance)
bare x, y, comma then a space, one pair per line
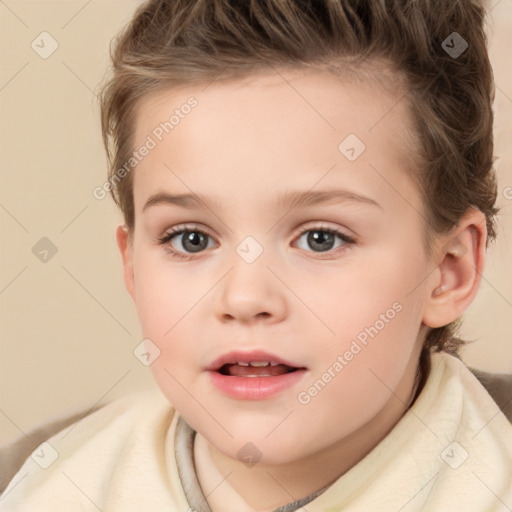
323, 238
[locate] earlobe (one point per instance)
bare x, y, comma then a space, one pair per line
126, 250
462, 259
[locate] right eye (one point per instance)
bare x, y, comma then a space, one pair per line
191, 239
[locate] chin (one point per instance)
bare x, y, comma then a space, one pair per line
252, 454
252, 447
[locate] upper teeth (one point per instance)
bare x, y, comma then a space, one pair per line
257, 363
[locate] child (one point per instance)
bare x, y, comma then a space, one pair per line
242, 136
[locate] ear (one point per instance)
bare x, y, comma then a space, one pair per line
126, 249
462, 258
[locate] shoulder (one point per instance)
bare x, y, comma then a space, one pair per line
81, 430
499, 386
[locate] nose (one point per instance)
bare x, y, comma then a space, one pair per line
249, 293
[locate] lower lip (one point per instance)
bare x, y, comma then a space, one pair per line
255, 388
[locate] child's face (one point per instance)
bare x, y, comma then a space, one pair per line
348, 313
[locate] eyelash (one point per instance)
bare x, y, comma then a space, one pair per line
173, 232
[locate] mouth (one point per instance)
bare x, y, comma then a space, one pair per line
255, 369
254, 375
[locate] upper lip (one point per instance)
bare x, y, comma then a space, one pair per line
238, 356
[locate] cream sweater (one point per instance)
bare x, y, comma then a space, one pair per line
452, 450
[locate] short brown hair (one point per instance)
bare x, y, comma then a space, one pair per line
177, 42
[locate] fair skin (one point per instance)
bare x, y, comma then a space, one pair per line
244, 144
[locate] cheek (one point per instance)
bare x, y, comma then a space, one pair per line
373, 283
165, 306
165, 299
375, 313
361, 373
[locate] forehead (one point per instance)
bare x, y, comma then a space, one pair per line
265, 130
377, 84
351, 98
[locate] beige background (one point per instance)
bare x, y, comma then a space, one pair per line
68, 327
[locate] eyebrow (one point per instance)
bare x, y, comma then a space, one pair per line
285, 200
